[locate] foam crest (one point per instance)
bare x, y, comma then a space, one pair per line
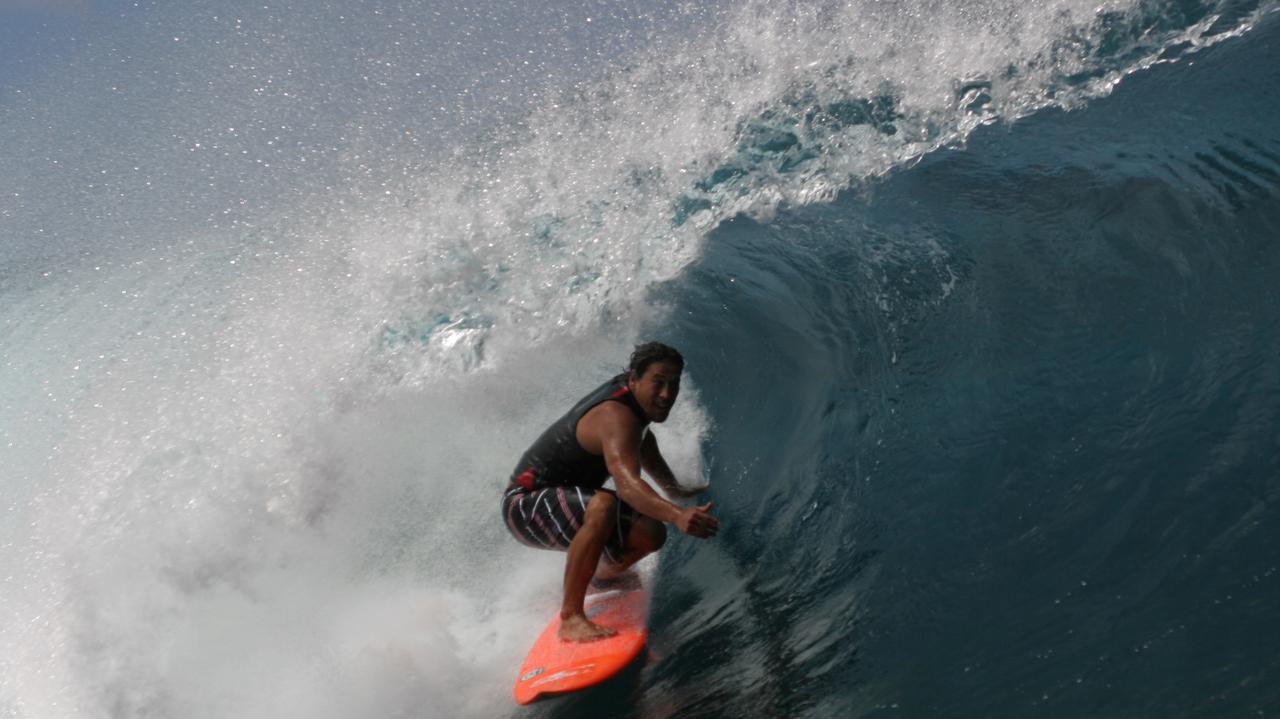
561, 224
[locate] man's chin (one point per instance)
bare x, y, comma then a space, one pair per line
660, 416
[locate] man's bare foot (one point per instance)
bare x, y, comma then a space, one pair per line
578, 628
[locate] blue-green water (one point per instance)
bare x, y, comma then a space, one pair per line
1020, 404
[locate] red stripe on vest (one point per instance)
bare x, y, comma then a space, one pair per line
526, 479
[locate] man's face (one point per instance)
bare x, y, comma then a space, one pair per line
656, 389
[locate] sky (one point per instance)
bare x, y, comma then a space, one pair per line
38, 36
117, 115
39, 33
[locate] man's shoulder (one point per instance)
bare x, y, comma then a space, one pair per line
611, 417
615, 412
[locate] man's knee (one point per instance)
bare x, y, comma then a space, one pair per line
601, 509
647, 535
659, 535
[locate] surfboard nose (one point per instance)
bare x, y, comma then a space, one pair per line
554, 666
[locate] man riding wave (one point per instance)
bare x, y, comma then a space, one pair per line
556, 501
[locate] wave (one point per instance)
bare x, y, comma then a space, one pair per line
996, 432
251, 414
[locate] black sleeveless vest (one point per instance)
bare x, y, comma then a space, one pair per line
556, 459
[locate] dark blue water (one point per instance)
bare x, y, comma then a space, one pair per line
996, 435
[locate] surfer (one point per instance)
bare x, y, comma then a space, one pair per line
556, 501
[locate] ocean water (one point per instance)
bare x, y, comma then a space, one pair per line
978, 302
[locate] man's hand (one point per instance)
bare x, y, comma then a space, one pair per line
698, 522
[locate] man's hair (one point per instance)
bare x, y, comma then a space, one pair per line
650, 352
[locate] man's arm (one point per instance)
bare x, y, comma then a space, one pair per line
618, 430
653, 462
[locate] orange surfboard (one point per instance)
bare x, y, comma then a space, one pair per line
556, 667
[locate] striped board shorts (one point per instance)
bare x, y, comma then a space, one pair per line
550, 518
